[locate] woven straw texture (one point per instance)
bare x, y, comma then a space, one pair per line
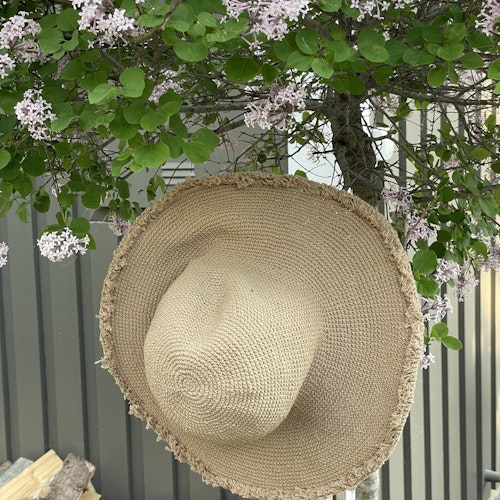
268, 329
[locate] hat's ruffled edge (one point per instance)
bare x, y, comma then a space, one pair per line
414, 324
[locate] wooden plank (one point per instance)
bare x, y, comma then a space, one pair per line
16, 468
32, 478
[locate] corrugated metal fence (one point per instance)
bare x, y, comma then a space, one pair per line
54, 396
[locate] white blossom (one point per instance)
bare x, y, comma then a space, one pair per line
56, 246
275, 111
426, 359
419, 229
4, 249
436, 309
118, 225
34, 112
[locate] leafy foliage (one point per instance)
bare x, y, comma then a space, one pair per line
174, 80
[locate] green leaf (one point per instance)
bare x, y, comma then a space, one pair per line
488, 206
34, 164
209, 137
74, 70
207, 19
424, 261
23, 213
42, 201
452, 343
322, 68
197, 151
269, 73
175, 144
182, 18
80, 226
427, 287
190, 51
241, 69
439, 330
382, 74
50, 40
396, 49
122, 129
133, 81
416, 57
371, 45
446, 194
65, 115
103, 94
5, 157
480, 248
472, 61
150, 21
330, 5
65, 198
437, 76
338, 51
307, 41
299, 61
494, 70
67, 20
451, 51
92, 196
152, 155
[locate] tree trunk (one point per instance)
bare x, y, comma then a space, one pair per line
369, 488
355, 155
353, 148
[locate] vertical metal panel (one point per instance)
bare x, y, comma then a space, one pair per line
23, 353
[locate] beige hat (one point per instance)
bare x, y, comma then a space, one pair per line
268, 329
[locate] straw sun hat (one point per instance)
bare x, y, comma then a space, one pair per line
268, 329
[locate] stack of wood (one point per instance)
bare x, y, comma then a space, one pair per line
48, 478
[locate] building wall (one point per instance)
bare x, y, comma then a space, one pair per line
54, 395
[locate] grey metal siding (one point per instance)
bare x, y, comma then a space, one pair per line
54, 396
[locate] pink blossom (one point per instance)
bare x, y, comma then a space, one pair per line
376, 8
399, 197
419, 229
118, 225
426, 359
33, 112
275, 111
4, 249
436, 309
56, 246
447, 270
7, 64
492, 263
266, 16
169, 83
108, 24
465, 282
488, 17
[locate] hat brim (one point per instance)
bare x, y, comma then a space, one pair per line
355, 400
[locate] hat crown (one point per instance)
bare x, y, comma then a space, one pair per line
228, 350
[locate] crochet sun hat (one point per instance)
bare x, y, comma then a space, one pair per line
268, 329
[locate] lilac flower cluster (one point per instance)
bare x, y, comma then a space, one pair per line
465, 282
426, 359
33, 112
169, 83
488, 18
376, 8
492, 263
56, 246
267, 16
417, 226
104, 20
17, 38
4, 249
446, 270
118, 225
275, 111
436, 309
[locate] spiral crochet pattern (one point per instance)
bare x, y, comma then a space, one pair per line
268, 329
